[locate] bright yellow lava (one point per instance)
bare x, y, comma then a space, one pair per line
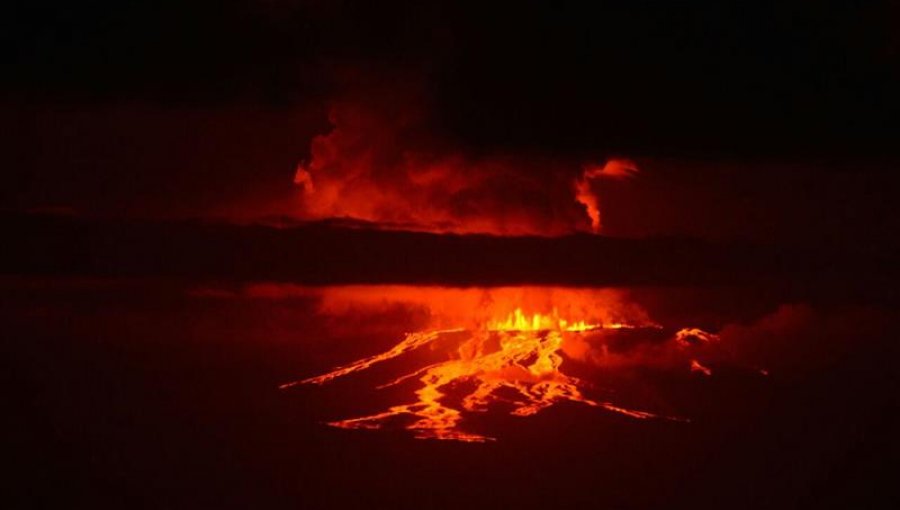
519, 354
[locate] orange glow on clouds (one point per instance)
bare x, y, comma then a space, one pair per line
584, 191
378, 167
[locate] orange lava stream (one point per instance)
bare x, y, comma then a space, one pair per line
519, 355
411, 342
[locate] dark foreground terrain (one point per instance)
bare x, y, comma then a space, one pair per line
132, 393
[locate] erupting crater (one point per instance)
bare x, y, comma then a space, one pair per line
511, 361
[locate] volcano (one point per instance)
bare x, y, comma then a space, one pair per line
308, 254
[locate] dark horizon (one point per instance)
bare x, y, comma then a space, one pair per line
349, 252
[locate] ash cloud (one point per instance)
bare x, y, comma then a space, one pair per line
793, 340
384, 161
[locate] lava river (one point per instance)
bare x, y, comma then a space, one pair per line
502, 354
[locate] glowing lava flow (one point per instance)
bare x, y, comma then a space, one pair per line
514, 361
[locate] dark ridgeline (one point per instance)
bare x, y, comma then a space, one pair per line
335, 252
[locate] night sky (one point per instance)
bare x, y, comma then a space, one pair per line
770, 120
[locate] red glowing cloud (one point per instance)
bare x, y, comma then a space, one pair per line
382, 165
